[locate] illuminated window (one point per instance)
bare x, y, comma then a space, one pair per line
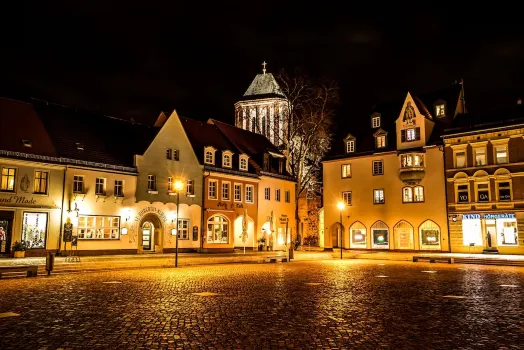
243, 162
249, 194
501, 154
226, 160
380, 235
429, 235
378, 196
34, 230
347, 197
41, 178
183, 229
212, 189
350, 146
480, 156
225, 190
381, 141
78, 184
8, 179
407, 194
151, 182
218, 229
411, 160
238, 193
209, 155
378, 167
346, 171
119, 188
100, 186
410, 134
440, 110
375, 121
98, 227
418, 194
460, 159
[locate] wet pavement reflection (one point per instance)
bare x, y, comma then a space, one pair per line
347, 304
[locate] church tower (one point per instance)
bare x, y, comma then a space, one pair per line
263, 108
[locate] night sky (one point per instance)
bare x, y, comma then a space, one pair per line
133, 59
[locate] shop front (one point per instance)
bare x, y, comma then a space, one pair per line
488, 232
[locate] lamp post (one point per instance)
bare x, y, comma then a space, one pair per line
341, 206
179, 185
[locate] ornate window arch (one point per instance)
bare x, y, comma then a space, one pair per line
357, 235
380, 235
218, 229
430, 235
209, 155
403, 233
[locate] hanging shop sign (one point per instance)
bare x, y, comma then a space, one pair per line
150, 210
489, 216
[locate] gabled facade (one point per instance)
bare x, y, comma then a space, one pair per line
484, 182
391, 179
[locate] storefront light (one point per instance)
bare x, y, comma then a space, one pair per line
173, 232
123, 231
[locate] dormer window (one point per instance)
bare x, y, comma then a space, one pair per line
243, 162
350, 146
27, 143
381, 141
375, 122
440, 110
226, 159
409, 135
209, 155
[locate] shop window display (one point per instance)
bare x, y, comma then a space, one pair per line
380, 235
429, 235
403, 232
358, 235
34, 230
218, 229
507, 233
472, 232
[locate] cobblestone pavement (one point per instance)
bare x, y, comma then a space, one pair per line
304, 305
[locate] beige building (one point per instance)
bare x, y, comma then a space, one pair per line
390, 178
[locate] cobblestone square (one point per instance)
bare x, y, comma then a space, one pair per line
348, 304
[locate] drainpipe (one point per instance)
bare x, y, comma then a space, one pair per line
202, 223
446, 194
62, 213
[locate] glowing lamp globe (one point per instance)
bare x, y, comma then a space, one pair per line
179, 185
341, 205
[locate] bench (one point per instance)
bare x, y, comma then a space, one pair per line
32, 270
274, 259
434, 259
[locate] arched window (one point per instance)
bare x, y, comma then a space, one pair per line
380, 235
403, 232
218, 229
358, 235
243, 163
226, 159
209, 155
429, 235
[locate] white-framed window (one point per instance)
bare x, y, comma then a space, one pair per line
218, 229
347, 197
190, 187
151, 182
249, 194
407, 195
410, 134
267, 193
413, 194
243, 162
287, 195
78, 184
100, 186
209, 155
176, 155
381, 141
225, 190
34, 229
226, 159
375, 122
169, 154
98, 227
460, 159
119, 188
41, 182
480, 156
345, 171
378, 196
440, 110
238, 193
501, 154
418, 194
411, 160
350, 146
212, 189
378, 167
183, 229
277, 195
170, 184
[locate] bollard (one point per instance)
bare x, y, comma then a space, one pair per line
49, 262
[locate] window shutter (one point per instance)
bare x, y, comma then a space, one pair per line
417, 134
403, 135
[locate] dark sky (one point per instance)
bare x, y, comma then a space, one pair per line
133, 59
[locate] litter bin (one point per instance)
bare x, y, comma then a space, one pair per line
49, 262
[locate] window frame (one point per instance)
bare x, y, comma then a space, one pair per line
227, 155
250, 194
381, 137
224, 221
78, 179
483, 189
226, 185
182, 229
209, 182
287, 196
441, 106
238, 198
415, 194
14, 176
118, 184
169, 154
411, 194
211, 151
345, 166
377, 120
475, 151
267, 193
350, 146
243, 157
347, 197
190, 187
104, 189
381, 162
151, 182
458, 191
277, 194
379, 190
39, 180
95, 227
509, 187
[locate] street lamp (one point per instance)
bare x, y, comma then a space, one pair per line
341, 206
179, 185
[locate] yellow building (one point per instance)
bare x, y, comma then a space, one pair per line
390, 178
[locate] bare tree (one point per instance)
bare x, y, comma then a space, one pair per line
307, 128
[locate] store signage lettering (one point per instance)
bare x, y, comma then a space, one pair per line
18, 200
149, 210
488, 216
483, 196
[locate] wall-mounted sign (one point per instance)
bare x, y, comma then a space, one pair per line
68, 232
483, 196
490, 216
149, 210
18, 200
283, 218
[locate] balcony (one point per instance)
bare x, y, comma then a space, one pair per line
412, 169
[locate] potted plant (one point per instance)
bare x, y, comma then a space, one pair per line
261, 242
19, 249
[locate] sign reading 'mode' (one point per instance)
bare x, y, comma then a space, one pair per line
18, 200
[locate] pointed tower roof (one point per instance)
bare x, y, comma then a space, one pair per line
264, 85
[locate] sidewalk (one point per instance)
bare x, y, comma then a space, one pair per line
114, 262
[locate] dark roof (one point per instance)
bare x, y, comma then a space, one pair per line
201, 135
390, 112
19, 121
264, 85
513, 115
85, 136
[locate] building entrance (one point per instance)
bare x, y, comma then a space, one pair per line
6, 231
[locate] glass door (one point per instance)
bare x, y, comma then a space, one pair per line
491, 234
147, 235
5, 235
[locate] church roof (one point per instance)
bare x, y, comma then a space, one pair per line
264, 85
